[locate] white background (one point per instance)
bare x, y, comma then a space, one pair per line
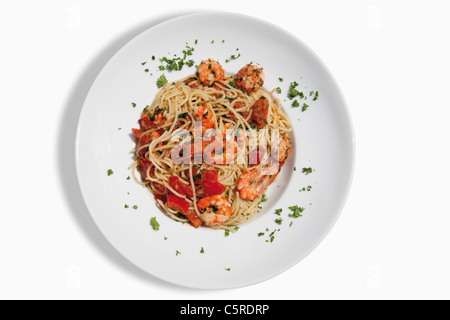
391, 59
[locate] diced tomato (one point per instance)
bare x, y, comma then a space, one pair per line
161, 131
213, 188
180, 187
210, 176
143, 167
178, 204
193, 218
142, 142
161, 197
146, 123
260, 111
212, 185
137, 133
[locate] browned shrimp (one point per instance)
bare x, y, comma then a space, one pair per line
252, 183
203, 114
210, 71
214, 210
250, 78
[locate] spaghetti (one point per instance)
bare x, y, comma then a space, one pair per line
205, 147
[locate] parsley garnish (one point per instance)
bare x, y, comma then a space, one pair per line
110, 172
305, 106
293, 92
202, 250
227, 233
278, 89
279, 221
135, 207
278, 211
162, 80
281, 79
295, 104
307, 170
296, 211
316, 96
154, 224
264, 198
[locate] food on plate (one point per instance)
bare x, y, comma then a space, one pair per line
210, 145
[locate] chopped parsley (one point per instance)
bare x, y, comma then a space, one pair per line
308, 188
135, 207
133, 104
264, 198
155, 224
305, 106
316, 96
126, 206
261, 234
293, 92
177, 253
296, 211
162, 80
307, 170
279, 221
153, 58
110, 172
278, 211
196, 41
212, 42
295, 104
278, 89
281, 79
128, 178
295, 168
228, 269
234, 57
227, 233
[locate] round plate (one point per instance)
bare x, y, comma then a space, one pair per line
262, 247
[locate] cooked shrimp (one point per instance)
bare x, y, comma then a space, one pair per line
214, 210
250, 78
210, 71
252, 183
284, 148
202, 114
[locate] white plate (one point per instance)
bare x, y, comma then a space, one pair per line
323, 140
